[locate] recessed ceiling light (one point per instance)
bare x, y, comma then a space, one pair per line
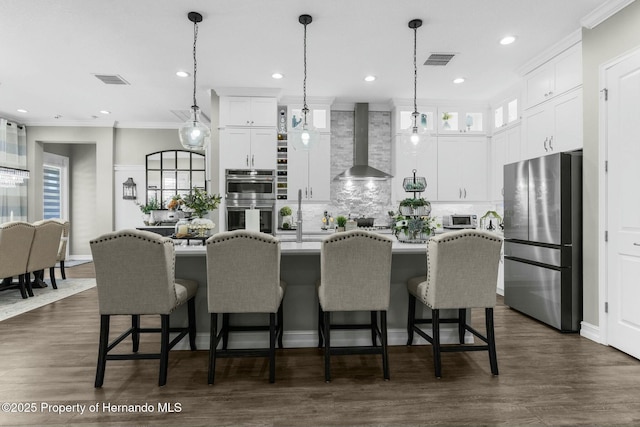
182, 74
277, 76
22, 110
105, 112
507, 40
370, 78
458, 80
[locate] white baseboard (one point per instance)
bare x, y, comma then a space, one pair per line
339, 338
80, 258
591, 332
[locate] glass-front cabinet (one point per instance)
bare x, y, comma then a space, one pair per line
454, 120
173, 172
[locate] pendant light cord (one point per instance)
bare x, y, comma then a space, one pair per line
415, 72
305, 109
195, 62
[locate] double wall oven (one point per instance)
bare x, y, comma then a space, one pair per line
251, 189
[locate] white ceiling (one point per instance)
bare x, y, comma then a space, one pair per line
52, 49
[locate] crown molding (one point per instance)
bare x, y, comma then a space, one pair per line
604, 12
553, 51
311, 100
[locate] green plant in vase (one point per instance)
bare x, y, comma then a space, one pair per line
200, 202
342, 222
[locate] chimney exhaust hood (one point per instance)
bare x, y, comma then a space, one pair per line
361, 169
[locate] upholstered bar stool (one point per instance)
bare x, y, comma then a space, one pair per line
355, 273
44, 251
135, 276
462, 273
243, 276
15, 244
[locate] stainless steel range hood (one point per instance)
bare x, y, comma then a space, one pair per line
361, 168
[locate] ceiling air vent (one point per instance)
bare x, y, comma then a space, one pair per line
111, 79
439, 59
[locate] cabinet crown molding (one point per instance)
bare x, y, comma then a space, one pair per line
604, 12
550, 53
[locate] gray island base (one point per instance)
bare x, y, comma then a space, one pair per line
300, 268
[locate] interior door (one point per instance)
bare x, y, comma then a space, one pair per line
623, 209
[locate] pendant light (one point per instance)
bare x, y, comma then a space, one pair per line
194, 134
417, 132
303, 134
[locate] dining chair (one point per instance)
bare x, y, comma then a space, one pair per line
135, 276
44, 251
15, 243
462, 273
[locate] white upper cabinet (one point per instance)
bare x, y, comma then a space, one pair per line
424, 159
247, 148
505, 149
455, 120
462, 169
554, 126
310, 171
559, 75
248, 111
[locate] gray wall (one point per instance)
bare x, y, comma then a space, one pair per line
93, 215
608, 40
132, 145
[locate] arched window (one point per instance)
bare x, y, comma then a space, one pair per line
173, 172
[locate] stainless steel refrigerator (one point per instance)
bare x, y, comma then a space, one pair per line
543, 239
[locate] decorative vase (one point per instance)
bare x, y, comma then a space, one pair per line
145, 218
339, 229
182, 227
446, 125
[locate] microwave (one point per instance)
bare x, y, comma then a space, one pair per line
460, 221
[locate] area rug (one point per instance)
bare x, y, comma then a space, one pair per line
12, 303
73, 263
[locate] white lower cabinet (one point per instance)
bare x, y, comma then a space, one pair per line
462, 169
248, 148
310, 171
424, 160
554, 126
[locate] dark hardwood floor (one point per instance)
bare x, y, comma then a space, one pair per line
48, 356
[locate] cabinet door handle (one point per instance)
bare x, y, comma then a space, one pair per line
311, 192
545, 144
636, 244
460, 193
465, 193
306, 193
247, 160
253, 160
550, 141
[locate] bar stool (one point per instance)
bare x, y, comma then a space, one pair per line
355, 273
243, 276
462, 273
135, 276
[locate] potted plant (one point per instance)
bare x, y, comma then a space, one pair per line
486, 221
285, 219
147, 209
413, 206
414, 229
342, 222
199, 202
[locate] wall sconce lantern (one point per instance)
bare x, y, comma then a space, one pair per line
129, 190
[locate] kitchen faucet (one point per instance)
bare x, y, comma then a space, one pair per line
299, 221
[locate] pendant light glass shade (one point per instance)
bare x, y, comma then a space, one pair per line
193, 134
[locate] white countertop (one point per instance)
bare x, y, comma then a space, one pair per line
306, 248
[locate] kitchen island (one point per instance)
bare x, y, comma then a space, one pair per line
300, 268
